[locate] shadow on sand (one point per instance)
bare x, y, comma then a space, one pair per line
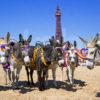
66, 86
80, 82
98, 94
23, 88
61, 85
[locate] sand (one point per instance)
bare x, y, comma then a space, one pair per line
87, 86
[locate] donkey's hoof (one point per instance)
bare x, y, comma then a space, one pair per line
28, 83
44, 87
74, 85
5, 83
32, 83
13, 84
41, 89
71, 85
9, 83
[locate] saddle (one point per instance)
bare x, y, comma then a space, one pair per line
36, 53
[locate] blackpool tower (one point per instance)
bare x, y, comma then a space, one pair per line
58, 35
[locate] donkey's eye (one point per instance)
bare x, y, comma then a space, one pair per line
73, 57
70, 58
23, 42
91, 53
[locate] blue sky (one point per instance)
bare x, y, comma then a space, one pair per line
37, 17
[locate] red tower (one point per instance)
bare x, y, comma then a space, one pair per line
58, 35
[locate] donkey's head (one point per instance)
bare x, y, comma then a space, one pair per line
25, 48
91, 46
72, 57
4, 49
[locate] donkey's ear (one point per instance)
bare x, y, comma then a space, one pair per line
75, 44
96, 38
29, 39
83, 40
7, 37
21, 38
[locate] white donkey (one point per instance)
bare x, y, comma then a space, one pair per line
69, 60
93, 51
4, 57
11, 59
72, 63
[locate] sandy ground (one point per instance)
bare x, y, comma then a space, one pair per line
87, 87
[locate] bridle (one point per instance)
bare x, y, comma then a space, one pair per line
3, 57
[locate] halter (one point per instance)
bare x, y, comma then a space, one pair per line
12, 55
5, 65
25, 47
3, 46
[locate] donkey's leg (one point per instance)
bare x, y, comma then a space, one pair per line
46, 78
40, 80
5, 75
54, 76
18, 72
12, 73
43, 79
9, 76
73, 69
13, 76
70, 74
67, 75
27, 71
31, 76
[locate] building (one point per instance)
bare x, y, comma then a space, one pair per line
58, 34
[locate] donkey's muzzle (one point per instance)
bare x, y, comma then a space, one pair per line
3, 60
26, 59
90, 64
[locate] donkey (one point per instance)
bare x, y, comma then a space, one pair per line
16, 61
4, 56
46, 58
72, 63
52, 54
69, 59
27, 53
41, 66
97, 53
93, 51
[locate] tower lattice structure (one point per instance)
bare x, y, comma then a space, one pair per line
58, 35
